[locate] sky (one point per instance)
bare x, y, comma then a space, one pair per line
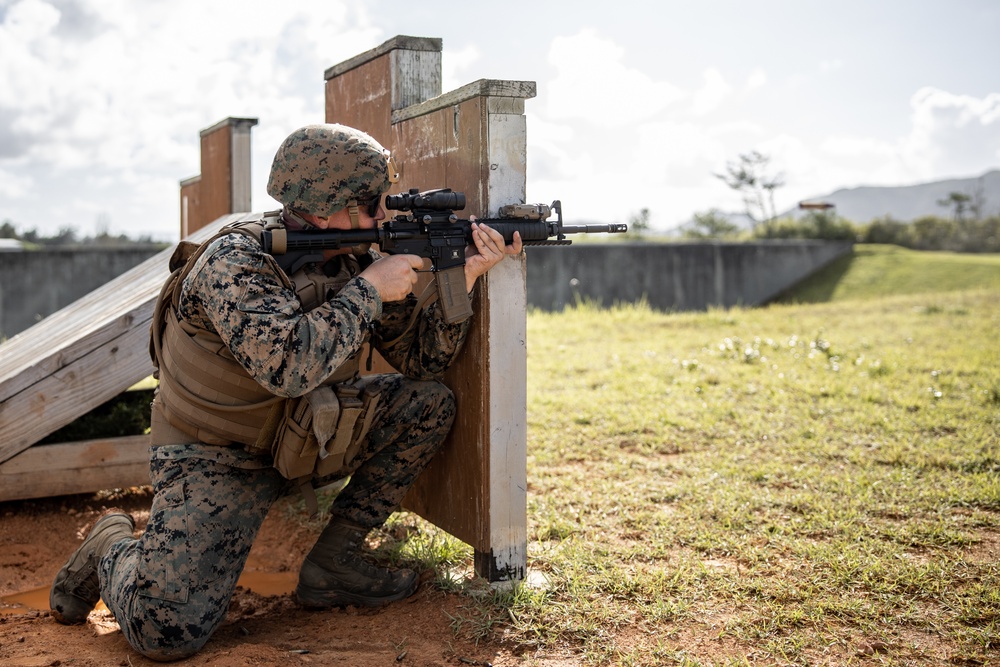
639, 105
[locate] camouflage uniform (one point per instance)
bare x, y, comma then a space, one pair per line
170, 589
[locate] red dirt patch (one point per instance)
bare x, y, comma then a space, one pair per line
36, 537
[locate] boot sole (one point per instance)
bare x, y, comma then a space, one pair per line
66, 607
314, 598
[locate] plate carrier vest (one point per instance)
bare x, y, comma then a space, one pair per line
203, 391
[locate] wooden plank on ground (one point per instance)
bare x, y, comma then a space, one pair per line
76, 467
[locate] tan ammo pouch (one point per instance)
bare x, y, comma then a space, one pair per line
347, 410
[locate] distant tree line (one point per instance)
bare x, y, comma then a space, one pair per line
68, 237
955, 234
967, 229
925, 233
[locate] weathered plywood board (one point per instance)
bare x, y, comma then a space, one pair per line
216, 176
82, 355
364, 91
477, 487
76, 388
76, 467
507, 382
74, 331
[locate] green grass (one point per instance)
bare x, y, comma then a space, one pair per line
801, 484
797, 484
882, 270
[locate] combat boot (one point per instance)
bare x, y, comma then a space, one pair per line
77, 589
336, 574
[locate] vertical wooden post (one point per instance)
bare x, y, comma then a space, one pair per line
472, 140
223, 186
364, 91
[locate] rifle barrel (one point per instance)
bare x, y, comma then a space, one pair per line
613, 228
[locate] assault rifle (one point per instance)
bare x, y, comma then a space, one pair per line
430, 228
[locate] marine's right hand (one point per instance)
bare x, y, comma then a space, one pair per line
393, 276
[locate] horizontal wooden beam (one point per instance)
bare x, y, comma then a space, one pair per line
76, 467
76, 330
82, 355
519, 90
75, 389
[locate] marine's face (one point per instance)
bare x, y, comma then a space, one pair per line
342, 218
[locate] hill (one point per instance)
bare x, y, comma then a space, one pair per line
909, 202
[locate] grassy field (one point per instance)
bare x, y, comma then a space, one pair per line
797, 484
881, 270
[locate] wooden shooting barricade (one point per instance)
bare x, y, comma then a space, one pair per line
471, 140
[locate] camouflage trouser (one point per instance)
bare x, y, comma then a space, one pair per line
170, 589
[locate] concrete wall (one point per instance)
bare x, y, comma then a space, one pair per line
683, 276
675, 276
36, 284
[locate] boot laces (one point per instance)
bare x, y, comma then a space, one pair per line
357, 562
84, 583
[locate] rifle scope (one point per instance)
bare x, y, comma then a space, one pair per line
431, 200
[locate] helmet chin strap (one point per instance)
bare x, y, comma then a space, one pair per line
352, 210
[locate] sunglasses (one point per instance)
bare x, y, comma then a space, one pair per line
372, 206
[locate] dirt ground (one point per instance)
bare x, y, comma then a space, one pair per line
37, 536
265, 626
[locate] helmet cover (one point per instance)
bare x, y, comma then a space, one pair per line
320, 169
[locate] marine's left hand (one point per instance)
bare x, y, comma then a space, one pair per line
487, 252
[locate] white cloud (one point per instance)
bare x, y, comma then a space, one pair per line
952, 133
101, 102
715, 89
949, 136
125, 87
455, 64
550, 154
616, 129
858, 147
757, 79
14, 186
594, 85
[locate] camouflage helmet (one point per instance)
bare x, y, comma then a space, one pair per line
320, 169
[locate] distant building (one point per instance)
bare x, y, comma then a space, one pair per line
8, 245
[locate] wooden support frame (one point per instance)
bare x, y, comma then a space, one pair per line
66, 365
76, 467
97, 347
472, 140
